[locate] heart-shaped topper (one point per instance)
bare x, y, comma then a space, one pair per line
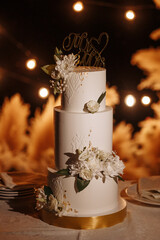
90, 50
99, 44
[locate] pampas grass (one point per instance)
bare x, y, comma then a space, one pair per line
26, 145
112, 96
148, 142
14, 123
149, 61
13, 134
41, 146
157, 2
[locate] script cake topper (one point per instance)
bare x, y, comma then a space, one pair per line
90, 50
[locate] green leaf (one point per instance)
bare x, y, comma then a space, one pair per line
120, 178
58, 52
47, 190
64, 172
55, 91
101, 97
48, 68
81, 184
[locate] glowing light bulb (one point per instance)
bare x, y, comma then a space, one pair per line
43, 92
146, 100
78, 6
31, 64
130, 15
130, 100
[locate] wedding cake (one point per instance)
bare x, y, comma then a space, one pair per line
85, 181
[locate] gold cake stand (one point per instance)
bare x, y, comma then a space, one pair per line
93, 222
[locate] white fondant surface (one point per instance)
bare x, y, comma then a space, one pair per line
96, 199
83, 85
75, 131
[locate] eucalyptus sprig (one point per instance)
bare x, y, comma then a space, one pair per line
102, 96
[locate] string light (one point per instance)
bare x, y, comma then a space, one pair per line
31, 64
78, 6
43, 92
146, 100
130, 100
130, 15
119, 6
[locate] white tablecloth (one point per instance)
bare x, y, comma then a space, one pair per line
142, 222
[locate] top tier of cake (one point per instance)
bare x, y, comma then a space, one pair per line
84, 84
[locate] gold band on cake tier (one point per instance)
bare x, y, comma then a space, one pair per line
84, 222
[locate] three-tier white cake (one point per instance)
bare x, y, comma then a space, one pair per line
75, 129
84, 186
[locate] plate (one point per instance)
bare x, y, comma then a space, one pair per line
25, 185
15, 197
21, 191
15, 193
131, 192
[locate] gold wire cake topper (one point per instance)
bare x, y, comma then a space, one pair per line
90, 50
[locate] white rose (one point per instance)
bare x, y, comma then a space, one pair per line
92, 106
86, 174
114, 169
52, 203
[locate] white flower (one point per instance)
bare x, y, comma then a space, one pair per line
114, 167
86, 174
66, 65
52, 203
60, 207
92, 106
41, 198
92, 162
62, 70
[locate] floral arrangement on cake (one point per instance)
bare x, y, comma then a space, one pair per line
59, 72
84, 165
46, 199
91, 162
93, 106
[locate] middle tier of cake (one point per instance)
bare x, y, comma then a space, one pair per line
77, 130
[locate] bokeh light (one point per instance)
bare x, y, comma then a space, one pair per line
130, 100
78, 6
130, 15
31, 64
146, 100
43, 92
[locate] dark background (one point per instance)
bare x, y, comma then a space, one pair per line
33, 28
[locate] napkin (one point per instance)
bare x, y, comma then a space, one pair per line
7, 180
149, 188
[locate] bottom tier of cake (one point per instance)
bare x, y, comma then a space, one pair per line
96, 199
